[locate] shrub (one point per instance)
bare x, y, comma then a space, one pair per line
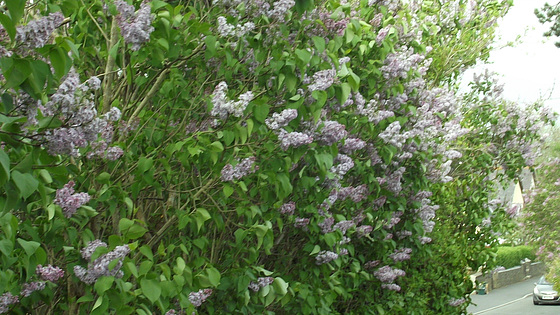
511, 256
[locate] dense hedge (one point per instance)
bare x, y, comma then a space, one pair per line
249, 157
509, 257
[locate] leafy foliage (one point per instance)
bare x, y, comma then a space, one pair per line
249, 157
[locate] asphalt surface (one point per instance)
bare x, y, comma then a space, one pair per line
516, 299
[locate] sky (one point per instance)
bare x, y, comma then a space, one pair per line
530, 70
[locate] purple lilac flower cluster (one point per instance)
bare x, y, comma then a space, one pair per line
301, 223
326, 225
343, 164
70, 201
343, 226
356, 194
322, 80
73, 103
37, 32
281, 119
136, 27
100, 266
6, 300
223, 106
388, 275
199, 297
30, 287
288, 208
364, 230
243, 168
456, 302
49, 273
399, 64
325, 256
293, 139
332, 132
225, 29
260, 283
401, 254
352, 144
280, 8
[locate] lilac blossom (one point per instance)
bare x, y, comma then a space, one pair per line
100, 266
322, 80
325, 256
260, 283
391, 135
401, 254
343, 226
199, 297
281, 119
6, 300
371, 264
293, 139
343, 164
456, 302
391, 286
386, 274
288, 208
225, 29
356, 194
326, 225
223, 106
351, 145
135, 27
332, 132
382, 34
364, 230
68, 200
280, 8
425, 240
301, 223
243, 168
37, 32
113, 153
49, 273
30, 287
403, 234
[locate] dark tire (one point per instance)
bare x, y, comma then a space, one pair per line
535, 302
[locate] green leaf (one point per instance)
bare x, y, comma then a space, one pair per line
228, 190
261, 112
6, 247
125, 224
9, 26
151, 289
319, 43
16, 71
146, 251
217, 146
145, 164
59, 61
213, 276
103, 178
303, 55
346, 89
25, 183
103, 284
200, 216
16, 9
4, 167
30, 247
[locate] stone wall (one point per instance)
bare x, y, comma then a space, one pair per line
502, 278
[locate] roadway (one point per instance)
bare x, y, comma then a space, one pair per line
516, 299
